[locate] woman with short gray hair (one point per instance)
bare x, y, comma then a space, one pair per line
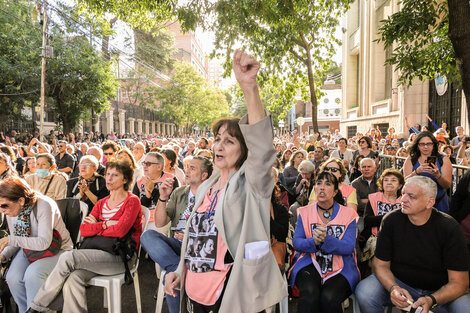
89, 186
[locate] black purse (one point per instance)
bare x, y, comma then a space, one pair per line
99, 243
124, 247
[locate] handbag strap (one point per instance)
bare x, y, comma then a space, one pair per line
48, 184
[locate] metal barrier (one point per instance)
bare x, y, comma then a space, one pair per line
390, 161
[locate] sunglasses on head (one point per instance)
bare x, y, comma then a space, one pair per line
332, 169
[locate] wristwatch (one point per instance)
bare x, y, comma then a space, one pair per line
434, 301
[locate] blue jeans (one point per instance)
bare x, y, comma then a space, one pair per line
24, 278
165, 252
373, 297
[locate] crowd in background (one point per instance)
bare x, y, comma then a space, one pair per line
366, 169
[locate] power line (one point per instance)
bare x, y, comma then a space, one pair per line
133, 57
18, 94
57, 24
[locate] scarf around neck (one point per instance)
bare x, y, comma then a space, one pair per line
22, 225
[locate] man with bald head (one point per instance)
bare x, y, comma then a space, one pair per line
421, 257
365, 184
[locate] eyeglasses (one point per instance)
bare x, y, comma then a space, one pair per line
86, 165
362, 141
149, 163
425, 144
112, 153
4, 206
332, 169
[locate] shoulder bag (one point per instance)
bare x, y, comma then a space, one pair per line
54, 248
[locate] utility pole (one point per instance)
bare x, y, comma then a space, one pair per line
43, 69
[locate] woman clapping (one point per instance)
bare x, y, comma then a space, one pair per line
324, 268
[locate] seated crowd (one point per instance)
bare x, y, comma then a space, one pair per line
385, 218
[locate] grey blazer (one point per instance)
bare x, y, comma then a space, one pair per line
242, 216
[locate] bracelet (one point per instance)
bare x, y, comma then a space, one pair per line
434, 301
391, 287
160, 199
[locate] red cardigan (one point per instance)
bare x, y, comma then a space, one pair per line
129, 215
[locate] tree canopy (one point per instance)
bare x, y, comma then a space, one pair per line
20, 61
189, 100
430, 38
77, 78
294, 39
155, 48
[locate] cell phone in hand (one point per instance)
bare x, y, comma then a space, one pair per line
431, 160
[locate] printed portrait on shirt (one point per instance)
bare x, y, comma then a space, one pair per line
383, 208
325, 261
202, 243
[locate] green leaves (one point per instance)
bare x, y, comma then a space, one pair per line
77, 78
418, 35
293, 39
20, 62
188, 99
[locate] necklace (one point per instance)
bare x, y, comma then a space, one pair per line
214, 200
326, 212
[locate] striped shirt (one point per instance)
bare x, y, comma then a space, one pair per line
108, 213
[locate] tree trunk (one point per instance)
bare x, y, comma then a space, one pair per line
62, 108
313, 95
459, 34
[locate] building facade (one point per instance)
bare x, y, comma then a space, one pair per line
372, 96
328, 110
189, 48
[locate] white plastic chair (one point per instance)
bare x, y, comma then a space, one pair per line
161, 290
112, 284
165, 230
83, 212
354, 303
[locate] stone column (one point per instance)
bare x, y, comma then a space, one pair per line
147, 128
131, 125
80, 127
153, 127
109, 121
139, 126
122, 121
96, 126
